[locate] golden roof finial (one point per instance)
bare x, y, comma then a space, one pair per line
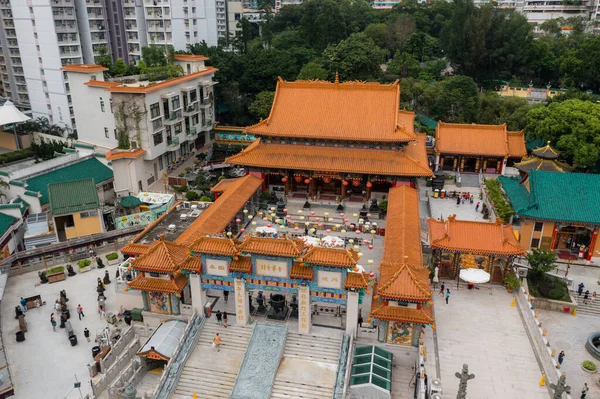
337, 77
548, 142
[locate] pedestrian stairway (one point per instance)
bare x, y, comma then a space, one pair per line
312, 347
295, 390
590, 308
209, 379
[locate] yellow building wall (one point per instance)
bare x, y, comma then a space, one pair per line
525, 237
547, 231
83, 226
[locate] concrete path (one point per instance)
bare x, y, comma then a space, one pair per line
479, 328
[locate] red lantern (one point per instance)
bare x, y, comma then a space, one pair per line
296, 228
312, 213
284, 179
326, 179
369, 184
285, 210
346, 220
357, 231
238, 220
298, 179
372, 274
370, 247
352, 227
268, 224
356, 182
243, 230
306, 181
344, 183
341, 214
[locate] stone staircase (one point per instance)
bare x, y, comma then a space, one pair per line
210, 380
294, 390
312, 347
590, 308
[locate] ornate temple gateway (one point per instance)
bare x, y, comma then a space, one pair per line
335, 141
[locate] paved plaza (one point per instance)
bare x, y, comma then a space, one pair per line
45, 364
444, 207
481, 329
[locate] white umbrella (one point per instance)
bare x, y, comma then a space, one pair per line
266, 230
10, 114
310, 241
332, 241
475, 276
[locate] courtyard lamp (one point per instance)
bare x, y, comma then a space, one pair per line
373, 232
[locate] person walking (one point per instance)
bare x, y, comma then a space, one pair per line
441, 290
584, 391
594, 297
225, 296
86, 334
80, 311
219, 317
217, 342
458, 201
477, 207
57, 306
225, 319
37, 304
580, 289
23, 303
53, 322
586, 297
447, 295
100, 311
561, 357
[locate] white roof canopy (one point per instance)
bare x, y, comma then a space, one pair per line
10, 114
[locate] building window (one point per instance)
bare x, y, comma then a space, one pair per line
154, 110
106, 132
237, 16
101, 104
195, 34
175, 102
88, 214
195, 119
535, 243
193, 95
538, 226
160, 163
158, 138
116, 135
178, 128
111, 105
195, 22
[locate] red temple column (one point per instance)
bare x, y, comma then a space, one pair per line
592, 245
554, 237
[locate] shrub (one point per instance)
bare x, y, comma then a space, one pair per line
503, 209
556, 292
56, 269
112, 256
16, 155
589, 365
180, 189
383, 205
192, 196
265, 195
84, 263
205, 198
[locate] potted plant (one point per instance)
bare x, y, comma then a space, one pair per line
383, 206
55, 274
589, 367
512, 281
85, 265
112, 258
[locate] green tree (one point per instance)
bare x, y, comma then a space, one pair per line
192, 196
399, 29
496, 110
458, 101
120, 68
573, 126
356, 58
540, 262
103, 58
154, 55
422, 46
261, 106
404, 65
322, 23
288, 17
311, 71
378, 33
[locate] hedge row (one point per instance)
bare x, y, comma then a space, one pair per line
16, 155
503, 209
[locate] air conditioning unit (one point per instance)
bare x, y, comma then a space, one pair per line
522, 272
435, 388
187, 205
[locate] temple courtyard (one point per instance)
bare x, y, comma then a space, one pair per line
481, 329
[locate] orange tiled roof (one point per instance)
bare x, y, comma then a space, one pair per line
516, 144
162, 257
101, 83
415, 150
217, 216
487, 140
189, 57
134, 249
300, 271
223, 185
215, 246
473, 237
335, 111
332, 257
381, 311
192, 264
161, 85
85, 68
402, 274
407, 120
356, 281
152, 284
272, 246
242, 264
119, 154
331, 159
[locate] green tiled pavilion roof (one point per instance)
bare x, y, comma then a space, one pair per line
73, 196
5, 222
130, 202
17, 203
90, 168
563, 197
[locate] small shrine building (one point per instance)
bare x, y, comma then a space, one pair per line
557, 212
463, 244
335, 141
402, 300
543, 158
477, 148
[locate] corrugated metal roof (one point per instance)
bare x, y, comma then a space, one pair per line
73, 196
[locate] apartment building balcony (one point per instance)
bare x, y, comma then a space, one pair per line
190, 109
173, 118
23, 98
22, 89
8, 23
6, 14
131, 27
64, 3
69, 61
191, 134
207, 125
99, 40
205, 103
66, 29
173, 143
20, 81
157, 124
16, 61
70, 54
95, 16
10, 33
4, 4
14, 52
129, 2
155, 3
18, 71
64, 15
97, 27
94, 3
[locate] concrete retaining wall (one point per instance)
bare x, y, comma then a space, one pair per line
551, 304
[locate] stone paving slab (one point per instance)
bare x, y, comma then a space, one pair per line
478, 327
